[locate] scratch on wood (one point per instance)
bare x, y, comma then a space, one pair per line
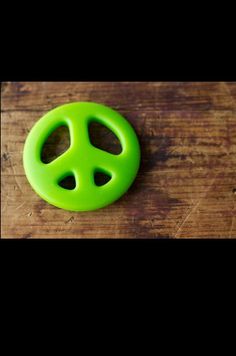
26, 236
225, 86
70, 219
193, 208
20, 206
232, 223
231, 227
15, 176
187, 216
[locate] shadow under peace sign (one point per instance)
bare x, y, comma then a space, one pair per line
82, 159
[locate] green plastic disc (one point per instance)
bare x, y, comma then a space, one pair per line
82, 159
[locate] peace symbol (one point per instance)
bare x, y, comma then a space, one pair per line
82, 159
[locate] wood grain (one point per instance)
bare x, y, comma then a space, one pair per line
186, 186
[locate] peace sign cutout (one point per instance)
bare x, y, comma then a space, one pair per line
82, 159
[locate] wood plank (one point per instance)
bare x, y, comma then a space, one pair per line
187, 179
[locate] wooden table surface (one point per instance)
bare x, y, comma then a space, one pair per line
186, 186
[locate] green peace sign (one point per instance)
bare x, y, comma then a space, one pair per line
82, 159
